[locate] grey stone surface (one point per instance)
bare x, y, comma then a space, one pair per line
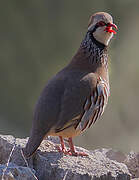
48, 164
16, 172
132, 162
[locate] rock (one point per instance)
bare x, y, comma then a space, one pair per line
48, 164
132, 162
16, 172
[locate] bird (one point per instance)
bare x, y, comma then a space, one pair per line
75, 98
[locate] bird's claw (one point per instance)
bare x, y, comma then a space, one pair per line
63, 150
69, 152
78, 154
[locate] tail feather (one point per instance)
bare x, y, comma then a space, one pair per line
32, 145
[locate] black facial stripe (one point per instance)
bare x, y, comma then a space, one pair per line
96, 26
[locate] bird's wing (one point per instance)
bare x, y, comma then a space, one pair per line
95, 105
77, 90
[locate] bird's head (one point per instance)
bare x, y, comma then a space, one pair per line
102, 28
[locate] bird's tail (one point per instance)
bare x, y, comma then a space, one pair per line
32, 145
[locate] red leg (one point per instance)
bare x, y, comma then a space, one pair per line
62, 143
62, 148
72, 149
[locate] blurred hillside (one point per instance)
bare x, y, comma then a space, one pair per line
38, 38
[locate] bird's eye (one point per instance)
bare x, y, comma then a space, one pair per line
101, 23
108, 24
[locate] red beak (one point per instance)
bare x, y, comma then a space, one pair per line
109, 28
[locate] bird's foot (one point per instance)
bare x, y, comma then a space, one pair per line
63, 150
70, 153
75, 153
72, 150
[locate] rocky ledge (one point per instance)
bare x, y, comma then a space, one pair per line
48, 164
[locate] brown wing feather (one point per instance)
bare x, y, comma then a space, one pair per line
99, 100
74, 98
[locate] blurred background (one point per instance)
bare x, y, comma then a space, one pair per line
38, 38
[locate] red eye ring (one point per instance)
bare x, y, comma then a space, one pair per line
101, 23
